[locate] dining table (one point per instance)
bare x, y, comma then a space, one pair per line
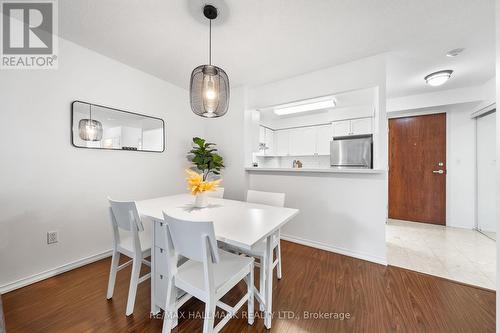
236, 223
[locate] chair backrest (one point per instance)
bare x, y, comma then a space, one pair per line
266, 198
193, 240
125, 215
218, 193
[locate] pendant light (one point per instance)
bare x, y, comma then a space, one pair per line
90, 129
209, 86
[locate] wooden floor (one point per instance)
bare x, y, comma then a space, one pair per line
376, 299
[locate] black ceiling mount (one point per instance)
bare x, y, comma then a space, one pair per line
210, 12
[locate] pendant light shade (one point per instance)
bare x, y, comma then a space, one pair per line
209, 85
90, 129
209, 91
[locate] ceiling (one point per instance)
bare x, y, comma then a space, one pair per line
262, 41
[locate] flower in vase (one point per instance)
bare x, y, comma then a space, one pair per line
196, 184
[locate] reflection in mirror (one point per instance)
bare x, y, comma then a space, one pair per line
100, 127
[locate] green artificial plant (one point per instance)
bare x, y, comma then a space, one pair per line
204, 156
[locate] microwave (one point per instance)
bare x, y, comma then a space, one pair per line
352, 151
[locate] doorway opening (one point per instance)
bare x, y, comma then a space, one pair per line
486, 174
440, 202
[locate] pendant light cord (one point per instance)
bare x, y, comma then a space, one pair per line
210, 44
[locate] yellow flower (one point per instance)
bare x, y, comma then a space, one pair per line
196, 185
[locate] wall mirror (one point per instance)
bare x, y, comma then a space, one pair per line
100, 127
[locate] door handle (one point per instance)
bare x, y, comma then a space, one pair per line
438, 171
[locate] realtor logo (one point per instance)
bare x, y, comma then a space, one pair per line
29, 39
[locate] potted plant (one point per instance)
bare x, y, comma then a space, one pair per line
206, 160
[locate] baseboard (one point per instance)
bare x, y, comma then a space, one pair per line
339, 250
53, 272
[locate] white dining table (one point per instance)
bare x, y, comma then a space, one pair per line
237, 223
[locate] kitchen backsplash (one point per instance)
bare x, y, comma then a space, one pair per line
308, 162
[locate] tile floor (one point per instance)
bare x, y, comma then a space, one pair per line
453, 253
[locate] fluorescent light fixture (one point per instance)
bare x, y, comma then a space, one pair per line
438, 78
304, 107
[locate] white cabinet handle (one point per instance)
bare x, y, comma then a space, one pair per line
438, 171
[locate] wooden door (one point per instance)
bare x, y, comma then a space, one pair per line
417, 168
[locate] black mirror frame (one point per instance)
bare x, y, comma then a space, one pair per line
118, 110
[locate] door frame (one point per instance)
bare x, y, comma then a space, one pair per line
475, 116
416, 113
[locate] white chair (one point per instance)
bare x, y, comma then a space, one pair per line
208, 274
218, 193
134, 243
259, 250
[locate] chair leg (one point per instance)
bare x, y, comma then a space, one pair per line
115, 260
134, 280
250, 304
208, 324
278, 256
262, 282
170, 315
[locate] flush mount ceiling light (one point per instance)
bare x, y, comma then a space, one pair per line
209, 86
304, 107
90, 129
438, 78
455, 52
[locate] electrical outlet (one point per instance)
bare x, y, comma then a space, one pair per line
52, 237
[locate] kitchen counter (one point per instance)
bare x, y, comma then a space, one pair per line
318, 170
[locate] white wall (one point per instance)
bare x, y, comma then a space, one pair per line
228, 133
497, 95
461, 168
486, 172
342, 213
483, 92
47, 184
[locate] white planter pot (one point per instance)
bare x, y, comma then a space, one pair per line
201, 200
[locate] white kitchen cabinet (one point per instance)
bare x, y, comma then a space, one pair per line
341, 128
269, 141
262, 134
266, 138
353, 127
361, 126
303, 141
282, 142
323, 137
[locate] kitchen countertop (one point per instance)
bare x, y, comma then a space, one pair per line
323, 170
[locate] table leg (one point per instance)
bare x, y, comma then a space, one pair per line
269, 283
155, 309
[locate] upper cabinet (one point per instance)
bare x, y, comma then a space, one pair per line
309, 140
302, 141
358, 126
362, 126
341, 128
282, 143
266, 141
323, 138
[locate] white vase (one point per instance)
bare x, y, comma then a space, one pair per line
201, 200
